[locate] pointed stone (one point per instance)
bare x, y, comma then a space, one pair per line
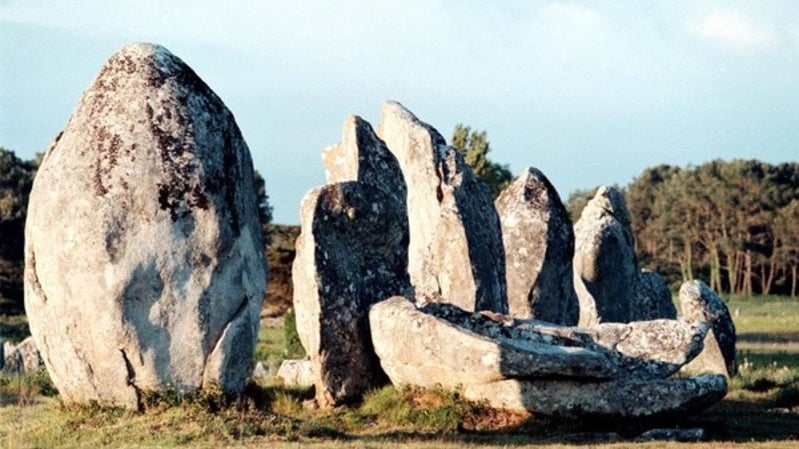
539, 247
699, 303
144, 261
455, 236
605, 266
351, 253
620, 399
361, 156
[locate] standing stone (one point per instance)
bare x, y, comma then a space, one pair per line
539, 247
361, 156
144, 259
652, 298
699, 303
418, 148
605, 265
351, 253
455, 246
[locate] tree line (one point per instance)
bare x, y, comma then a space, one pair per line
734, 224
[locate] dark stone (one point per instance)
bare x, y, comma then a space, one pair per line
539, 247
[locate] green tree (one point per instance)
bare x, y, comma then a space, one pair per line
475, 147
16, 180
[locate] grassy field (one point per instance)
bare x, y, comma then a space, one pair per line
762, 409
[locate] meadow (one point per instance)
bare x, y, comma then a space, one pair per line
761, 409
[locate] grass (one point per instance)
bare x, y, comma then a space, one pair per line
762, 409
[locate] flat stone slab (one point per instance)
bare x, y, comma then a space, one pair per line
418, 348
618, 398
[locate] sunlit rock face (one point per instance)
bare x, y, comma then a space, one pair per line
144, 256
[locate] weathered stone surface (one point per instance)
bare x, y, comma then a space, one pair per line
351, 253
605, 266
642, 349
418, 148
539, 247
620, 398
699, 303
144, 260
652, 298
455, 236
361, 156
645, 350
450, 355
296, 372
709, 361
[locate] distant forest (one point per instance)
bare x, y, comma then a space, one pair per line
733, 224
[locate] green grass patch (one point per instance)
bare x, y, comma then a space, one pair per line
762, 409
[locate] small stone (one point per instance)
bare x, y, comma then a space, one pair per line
296, 373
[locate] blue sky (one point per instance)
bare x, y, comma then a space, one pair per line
589, 92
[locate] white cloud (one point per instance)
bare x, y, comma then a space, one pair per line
736, 30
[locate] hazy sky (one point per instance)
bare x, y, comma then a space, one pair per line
589, 92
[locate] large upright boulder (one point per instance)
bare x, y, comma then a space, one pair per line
351, 253
455, 248
699, 303
539, 247
144, 260
605, 266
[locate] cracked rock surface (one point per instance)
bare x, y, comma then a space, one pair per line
144, 257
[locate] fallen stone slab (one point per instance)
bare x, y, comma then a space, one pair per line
620, 398
642, 349
435, 351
